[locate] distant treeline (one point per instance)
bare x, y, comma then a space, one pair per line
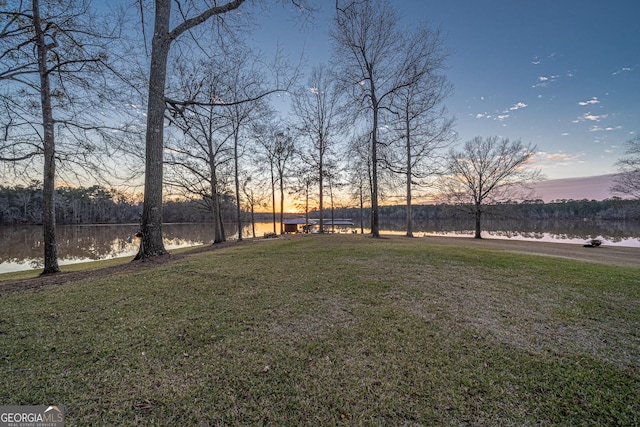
92, 205
611, 209
98, 205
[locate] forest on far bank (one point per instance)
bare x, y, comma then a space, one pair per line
99, 205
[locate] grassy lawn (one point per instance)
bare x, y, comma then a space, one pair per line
333, 330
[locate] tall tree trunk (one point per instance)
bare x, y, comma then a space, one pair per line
281, 204
306, 206
361, 209
218, 225
253, 221
478, 228
49, 148
237, 182
333, 222
321, 192
273, 198
151, 243
375, 217
409, 210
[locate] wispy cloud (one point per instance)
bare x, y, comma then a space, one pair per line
606, 129
592, 101
545, 160
537, 60
556, 157
501, 115
590, 117
546, 80
623, 70
517, 106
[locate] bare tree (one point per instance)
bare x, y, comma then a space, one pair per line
226, 93
253, 197
277, 149
284, 149
487, 171
358, 176
627, 181
303, 178
423, 130
374, 59
268, 136
317, 108
196, 161
246, 81
55, 58
420, 120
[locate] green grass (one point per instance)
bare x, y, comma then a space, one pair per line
333, 330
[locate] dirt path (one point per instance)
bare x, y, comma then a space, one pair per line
609, 255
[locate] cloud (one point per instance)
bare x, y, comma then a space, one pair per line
545, 80
501, 115
590, 117
517, 106
601, 129
592, 101
555, 157
537, 60
544, 159
623, 70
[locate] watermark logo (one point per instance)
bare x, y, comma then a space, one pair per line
32, 416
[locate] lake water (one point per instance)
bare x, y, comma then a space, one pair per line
21, 246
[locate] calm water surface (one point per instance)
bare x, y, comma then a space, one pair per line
21, 246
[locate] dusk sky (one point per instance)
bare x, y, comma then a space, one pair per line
564, 75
